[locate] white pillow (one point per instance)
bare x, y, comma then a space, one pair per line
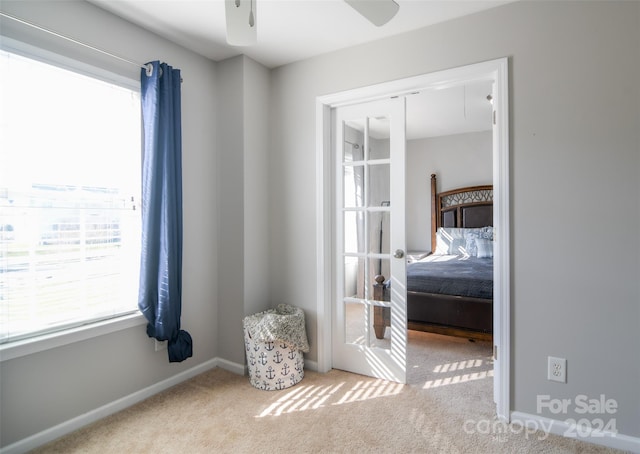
470, 243
461, 241
485, 248
449, 241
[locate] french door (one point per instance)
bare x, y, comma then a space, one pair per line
369, 323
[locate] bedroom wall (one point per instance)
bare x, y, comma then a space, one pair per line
42, 390
457, 160
256, 200
243, 263
230, 173
574, 147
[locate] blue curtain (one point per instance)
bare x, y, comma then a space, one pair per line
160, 293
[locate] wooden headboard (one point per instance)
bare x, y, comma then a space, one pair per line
467, 207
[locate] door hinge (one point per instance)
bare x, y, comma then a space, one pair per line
495, 353
494, 117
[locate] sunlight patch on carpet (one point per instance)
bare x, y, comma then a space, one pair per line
458, 379
304, 398
458, 365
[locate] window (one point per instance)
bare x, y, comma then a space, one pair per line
70, 175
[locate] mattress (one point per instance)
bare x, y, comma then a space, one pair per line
452, 275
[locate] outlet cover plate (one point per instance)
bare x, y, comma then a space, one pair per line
557, 369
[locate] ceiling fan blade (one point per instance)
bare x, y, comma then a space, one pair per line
241, 21
378, 12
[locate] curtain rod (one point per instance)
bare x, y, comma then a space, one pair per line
75, 41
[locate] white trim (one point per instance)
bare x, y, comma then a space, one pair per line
70, 64
496, 70
41, 438
562, 428
323, 237
238, 369
311, 365
435, 80
502, 217
25, 347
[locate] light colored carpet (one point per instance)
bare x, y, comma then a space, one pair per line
449, 393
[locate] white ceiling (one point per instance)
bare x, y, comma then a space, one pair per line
292, 30
288, 30
456, 110
433, 113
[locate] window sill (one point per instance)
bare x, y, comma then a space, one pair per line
26, 347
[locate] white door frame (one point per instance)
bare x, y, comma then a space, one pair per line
498, 71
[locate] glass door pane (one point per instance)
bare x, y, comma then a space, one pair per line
367, 339
366, 202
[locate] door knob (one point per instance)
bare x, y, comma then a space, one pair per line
398, 254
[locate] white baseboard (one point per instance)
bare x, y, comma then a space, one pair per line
41, 438
311, 365
239, 369
590, 435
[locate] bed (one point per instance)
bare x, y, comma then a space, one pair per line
450, 291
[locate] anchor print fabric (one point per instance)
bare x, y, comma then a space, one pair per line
273, 365
274, 342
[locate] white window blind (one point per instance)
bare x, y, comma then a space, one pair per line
70, 156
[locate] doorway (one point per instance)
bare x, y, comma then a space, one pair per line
449, 147
495, 70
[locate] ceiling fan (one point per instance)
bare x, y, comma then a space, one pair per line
242, 26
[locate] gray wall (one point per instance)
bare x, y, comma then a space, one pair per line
230, 174
243, 107
256, 200
575, 160
457, 160
44, 389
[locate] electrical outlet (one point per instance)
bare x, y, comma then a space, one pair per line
557, 369
160, 345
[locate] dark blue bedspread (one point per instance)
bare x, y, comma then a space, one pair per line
459, 276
